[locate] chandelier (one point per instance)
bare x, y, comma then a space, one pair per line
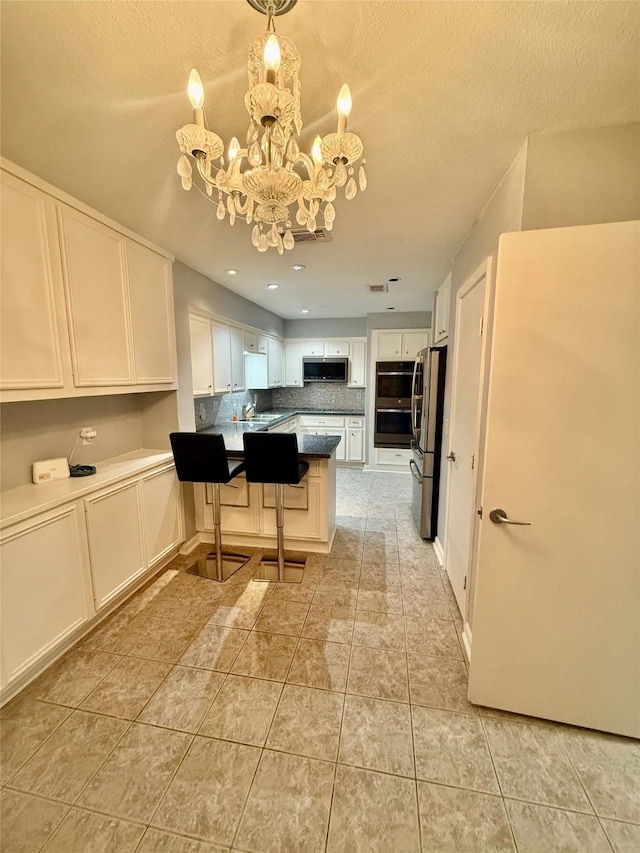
261, 183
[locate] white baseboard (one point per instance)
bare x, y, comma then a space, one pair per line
466, 640
437, 547
191, 545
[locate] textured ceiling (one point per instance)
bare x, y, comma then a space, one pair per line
444, 94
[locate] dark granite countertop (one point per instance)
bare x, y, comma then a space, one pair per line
309, 446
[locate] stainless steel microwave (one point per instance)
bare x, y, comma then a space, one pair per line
325, 369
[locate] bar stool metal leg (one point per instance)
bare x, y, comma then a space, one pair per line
218, 565
281, 567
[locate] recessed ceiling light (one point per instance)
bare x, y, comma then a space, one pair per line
298, 267
231, 272
305, 311
273, 286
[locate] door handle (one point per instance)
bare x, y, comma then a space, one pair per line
414, 470
499, 516
452, 457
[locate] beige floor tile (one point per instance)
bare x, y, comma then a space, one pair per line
243, 710
539, 829
335, 596
214, 647
282, 617
265, 656
164, 639
73, 677
439, 683
624, 837
378, 630
435, 637
318, 664
330, 624
301, 592
388, 600
133, 779
26, 821
532, 765
242, 608
155, 841
377, 735
25, 724
373, 813
127, 688
425, 605
340, 572
206, 796
288, 806
307, 722
451, 748
609, 769
116, 635
461, 821
86, 831
379, 673
379, 574
183, 699
66, 762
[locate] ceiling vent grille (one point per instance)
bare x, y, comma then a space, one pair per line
303, 235
378, 288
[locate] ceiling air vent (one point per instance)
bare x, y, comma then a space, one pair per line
302, 235
378, 288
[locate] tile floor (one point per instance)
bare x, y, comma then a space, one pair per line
330, 715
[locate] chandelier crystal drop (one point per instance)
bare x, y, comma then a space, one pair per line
261, 182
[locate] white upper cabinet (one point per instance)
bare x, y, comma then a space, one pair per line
228, 358
275, 363
29, 334
84, 306
313, 348
358, 364
413, 342
201, 355
336, 348
263, 344
236, 343
400, 344
440, 324
250, 340
293, 364
151, 295
96, 287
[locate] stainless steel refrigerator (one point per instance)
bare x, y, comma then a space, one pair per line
427, 403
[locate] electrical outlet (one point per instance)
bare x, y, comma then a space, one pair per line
88, 435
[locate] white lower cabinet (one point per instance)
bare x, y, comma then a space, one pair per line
116, 546
45, 588
161, 514
355, 445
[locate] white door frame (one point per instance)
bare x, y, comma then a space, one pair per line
485, 270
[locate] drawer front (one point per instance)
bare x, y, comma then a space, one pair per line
320, 421
392, 456
355, 423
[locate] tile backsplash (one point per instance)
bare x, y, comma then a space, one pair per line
212, 410
331, 395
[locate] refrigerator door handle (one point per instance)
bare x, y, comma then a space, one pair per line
414, 470
414, 398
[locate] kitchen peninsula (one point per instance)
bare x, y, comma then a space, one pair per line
248, 509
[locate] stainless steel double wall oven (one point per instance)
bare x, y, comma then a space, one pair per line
393, 404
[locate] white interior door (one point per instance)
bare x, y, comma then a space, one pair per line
556, 628
463, 436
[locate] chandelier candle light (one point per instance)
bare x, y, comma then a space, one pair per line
261, 182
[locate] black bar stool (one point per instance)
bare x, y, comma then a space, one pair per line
202, 458
273, 458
